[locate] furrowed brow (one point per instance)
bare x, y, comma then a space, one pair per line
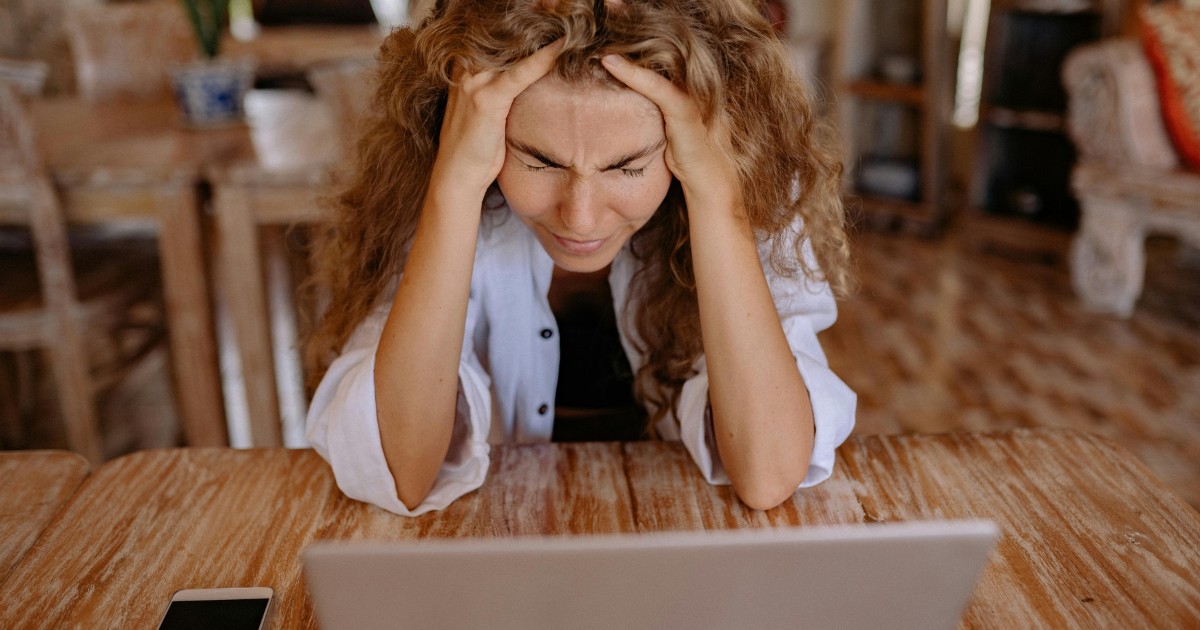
532, 152
623, 162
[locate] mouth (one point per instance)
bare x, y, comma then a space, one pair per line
580, 247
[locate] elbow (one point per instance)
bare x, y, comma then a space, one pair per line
767, 490
412, 497
766, 497
413, 483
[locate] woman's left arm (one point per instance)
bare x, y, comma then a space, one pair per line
762, 415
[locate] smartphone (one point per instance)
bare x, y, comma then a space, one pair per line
218, 609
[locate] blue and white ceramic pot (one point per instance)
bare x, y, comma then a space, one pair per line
210, 92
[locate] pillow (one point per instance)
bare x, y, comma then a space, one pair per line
1171, 36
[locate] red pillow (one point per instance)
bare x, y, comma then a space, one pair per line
1171, 36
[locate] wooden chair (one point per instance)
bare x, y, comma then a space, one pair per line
301, 143
254, 203
125, 50
43, 303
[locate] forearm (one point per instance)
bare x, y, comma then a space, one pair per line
416, 365
762, 416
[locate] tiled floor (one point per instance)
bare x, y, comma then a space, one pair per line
939, 338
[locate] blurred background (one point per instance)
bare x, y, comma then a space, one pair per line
1022, 176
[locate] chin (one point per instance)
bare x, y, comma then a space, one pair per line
578, 263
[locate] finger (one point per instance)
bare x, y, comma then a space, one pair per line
460, 77
670, 99
525, 72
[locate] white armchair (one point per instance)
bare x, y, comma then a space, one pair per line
1128, 179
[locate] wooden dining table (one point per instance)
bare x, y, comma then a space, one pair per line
1089, 537
34, 485
132, 165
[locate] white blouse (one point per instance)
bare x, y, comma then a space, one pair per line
508, 372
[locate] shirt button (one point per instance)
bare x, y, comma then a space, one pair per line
543, 409
547, 333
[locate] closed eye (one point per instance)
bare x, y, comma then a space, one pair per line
634, 172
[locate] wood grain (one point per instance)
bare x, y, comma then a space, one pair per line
670, 494
150, 523
1090, 539
153, 522
35, 485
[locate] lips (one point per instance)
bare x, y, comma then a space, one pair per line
580, 247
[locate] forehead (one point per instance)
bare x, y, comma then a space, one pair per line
555, 106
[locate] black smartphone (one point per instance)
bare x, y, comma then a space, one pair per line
218, 609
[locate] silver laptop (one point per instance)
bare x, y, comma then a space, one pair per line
901, 575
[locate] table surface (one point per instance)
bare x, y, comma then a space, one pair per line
33, 486
143, 143
1090, 539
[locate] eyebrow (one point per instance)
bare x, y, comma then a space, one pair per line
621, 162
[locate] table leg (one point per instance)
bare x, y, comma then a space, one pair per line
285, 336
189, 318
241, 272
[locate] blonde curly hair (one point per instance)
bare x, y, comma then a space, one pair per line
722, 52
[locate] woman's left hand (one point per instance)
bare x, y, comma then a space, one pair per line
698, 155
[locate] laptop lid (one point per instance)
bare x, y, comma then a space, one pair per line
897, 575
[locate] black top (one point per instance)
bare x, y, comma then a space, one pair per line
594, 399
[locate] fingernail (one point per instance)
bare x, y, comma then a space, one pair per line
611, 60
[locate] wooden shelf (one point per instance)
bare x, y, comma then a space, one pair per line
869, 33
909, 94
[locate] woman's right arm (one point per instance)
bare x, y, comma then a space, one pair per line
416, 364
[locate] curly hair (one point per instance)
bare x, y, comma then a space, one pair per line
722, 52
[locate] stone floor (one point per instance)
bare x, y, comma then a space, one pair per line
940, 339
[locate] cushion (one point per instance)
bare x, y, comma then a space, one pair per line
1171, 36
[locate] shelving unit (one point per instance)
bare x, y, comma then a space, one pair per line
894, 128
1020, 200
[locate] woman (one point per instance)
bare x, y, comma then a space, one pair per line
520, 148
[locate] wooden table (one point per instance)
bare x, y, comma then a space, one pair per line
1090, 539
133, 163
33, 486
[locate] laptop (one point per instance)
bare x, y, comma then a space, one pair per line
895, 575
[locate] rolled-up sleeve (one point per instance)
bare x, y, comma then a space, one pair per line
805, 308
344, 429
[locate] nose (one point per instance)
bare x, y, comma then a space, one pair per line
580, 208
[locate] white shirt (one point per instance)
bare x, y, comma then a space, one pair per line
508, 373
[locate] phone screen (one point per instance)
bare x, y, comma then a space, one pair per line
215, 614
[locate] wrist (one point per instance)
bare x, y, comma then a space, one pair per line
452, 195
446, 183
713, 190
714, 200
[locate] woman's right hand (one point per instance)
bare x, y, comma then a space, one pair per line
471, 150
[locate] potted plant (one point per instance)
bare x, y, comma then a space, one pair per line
210, 91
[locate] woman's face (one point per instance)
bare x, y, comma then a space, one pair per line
584, 169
